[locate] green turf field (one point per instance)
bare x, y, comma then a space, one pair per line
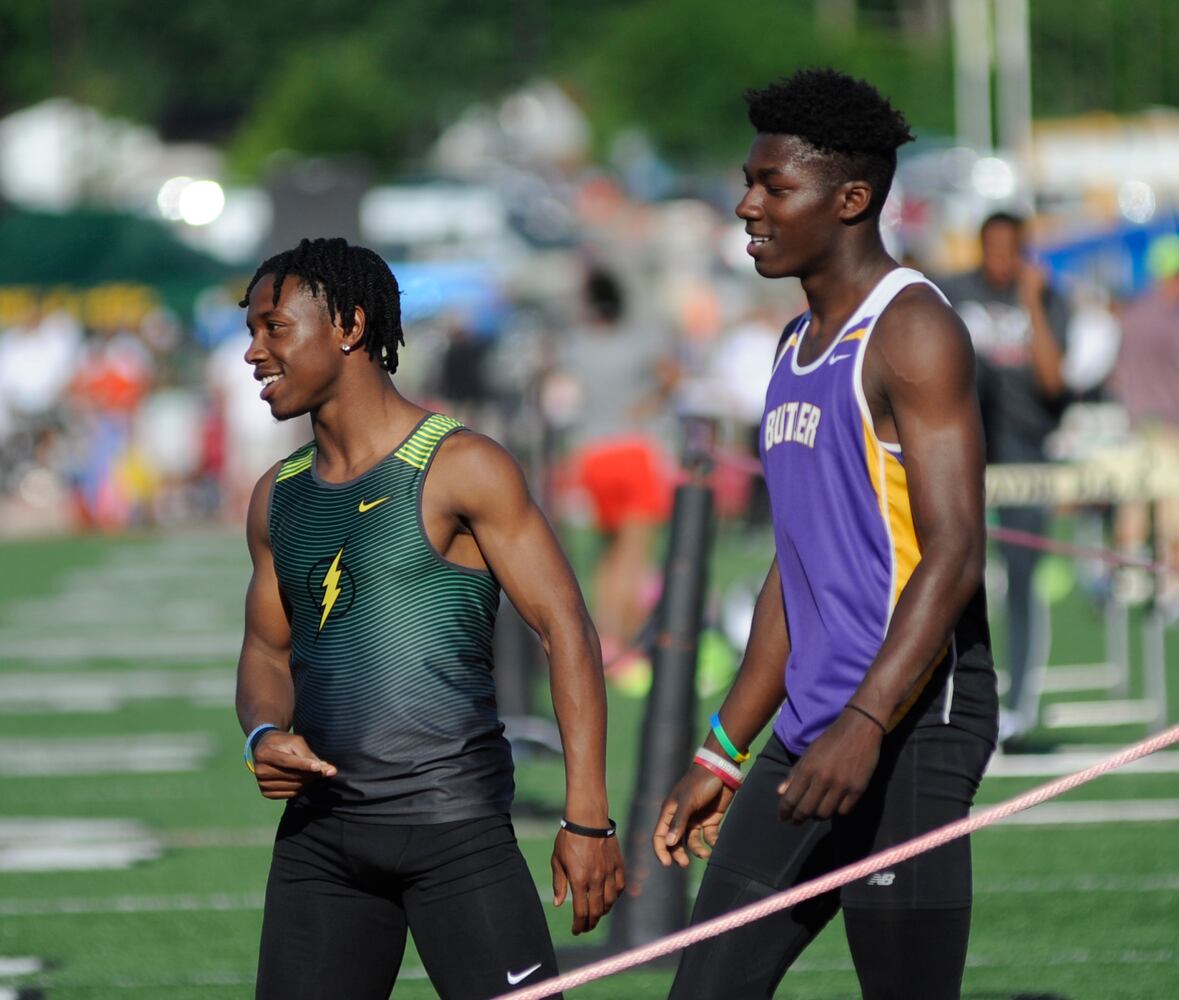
134, 846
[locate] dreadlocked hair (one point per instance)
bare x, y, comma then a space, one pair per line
350, 277
846, 119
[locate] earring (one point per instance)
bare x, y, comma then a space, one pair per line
346, 348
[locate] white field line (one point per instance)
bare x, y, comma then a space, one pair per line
19, 966
218, 901
1118, 811
211, 646
131, 904
144, 753
1073, 956
28, 795
110, 690
1051, 765
69, 844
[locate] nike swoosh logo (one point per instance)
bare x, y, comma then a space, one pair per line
838, 357
517, 977
364, 507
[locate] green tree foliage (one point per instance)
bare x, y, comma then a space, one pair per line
383, 79
678, 68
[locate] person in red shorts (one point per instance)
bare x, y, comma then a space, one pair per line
624, 375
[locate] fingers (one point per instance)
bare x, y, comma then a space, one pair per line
560, 882
799, 798
704, 840
668, 832
287, 776
292, 759
591, 874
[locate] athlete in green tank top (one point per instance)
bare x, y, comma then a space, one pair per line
365, 678
390, 642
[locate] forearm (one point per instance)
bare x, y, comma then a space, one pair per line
1047, 357
760, 685
265, 691
921, 627
579, 702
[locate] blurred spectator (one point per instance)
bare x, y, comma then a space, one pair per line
619, 376
1018, 324
1146, 382
463, 376
38, 359
1093, 338
113, 379
251, 439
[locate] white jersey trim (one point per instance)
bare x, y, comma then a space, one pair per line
879, 299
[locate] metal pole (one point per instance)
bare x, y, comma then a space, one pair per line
972, 73
1014, 83
656, 900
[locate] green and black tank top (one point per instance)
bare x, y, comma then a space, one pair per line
390, 643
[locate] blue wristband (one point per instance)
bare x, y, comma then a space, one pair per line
252, 740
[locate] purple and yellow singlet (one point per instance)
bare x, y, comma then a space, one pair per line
845, 538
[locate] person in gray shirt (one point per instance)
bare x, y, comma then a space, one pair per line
1017, 322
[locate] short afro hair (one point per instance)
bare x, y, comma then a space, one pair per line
349, 276
847, 120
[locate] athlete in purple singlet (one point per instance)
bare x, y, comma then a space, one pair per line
869, 638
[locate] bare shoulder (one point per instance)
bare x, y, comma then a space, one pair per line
474, 470
919, 337
257, 529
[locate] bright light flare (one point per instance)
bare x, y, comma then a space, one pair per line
993, 178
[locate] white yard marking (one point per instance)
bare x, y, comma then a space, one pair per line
10, 967
170, 648
131, 904
46, 845
110, 690
1074, 956
143, 753
1119, 811
175, 600
1051, 765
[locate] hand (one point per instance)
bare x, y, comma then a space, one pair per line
690, 818
591, 870
833, 773
1032, 281
284, 765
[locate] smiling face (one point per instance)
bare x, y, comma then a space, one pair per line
294, 347
792, 207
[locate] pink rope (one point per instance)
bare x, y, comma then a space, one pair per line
1013, 536
841, 876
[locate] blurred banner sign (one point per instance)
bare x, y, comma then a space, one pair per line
1141, 472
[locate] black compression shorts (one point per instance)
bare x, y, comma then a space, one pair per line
341, 895
926, 778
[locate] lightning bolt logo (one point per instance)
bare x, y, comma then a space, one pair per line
331, 588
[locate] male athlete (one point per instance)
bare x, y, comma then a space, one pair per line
871, 623
365, 685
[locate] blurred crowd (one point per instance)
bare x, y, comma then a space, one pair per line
650, 316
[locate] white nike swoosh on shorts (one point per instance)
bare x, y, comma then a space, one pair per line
517, 977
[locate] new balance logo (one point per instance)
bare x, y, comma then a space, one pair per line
882, 878
518, 977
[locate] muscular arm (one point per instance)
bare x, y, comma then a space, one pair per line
698, 801
284, 763
919, 381
486, 489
